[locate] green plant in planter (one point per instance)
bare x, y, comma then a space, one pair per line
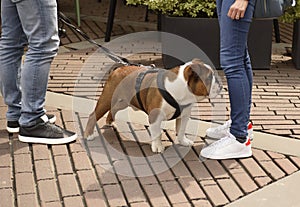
292, 14
187, 8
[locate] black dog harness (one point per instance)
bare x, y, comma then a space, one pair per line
161, 87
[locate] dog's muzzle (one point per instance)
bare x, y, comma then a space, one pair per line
216, 86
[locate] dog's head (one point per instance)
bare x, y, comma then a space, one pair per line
202, 79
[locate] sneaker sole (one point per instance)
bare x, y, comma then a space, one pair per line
17, 129
230, 156
53, 141
13, 130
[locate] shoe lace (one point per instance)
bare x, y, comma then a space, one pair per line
54, 128
224, 126
222, 141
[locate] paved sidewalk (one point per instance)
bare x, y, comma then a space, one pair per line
118, 168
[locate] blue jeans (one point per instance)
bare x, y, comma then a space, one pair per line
31, 23
235, 62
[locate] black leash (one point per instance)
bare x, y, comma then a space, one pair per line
111, 55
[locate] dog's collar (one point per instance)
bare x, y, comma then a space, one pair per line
162, 89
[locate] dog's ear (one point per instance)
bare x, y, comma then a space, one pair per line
197, 61
197, 78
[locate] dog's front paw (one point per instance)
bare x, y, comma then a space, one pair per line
184, 142
90, 137
157, 147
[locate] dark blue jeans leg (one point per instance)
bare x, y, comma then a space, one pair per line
235, 62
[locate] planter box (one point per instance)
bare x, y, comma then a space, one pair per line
204, 33
296, 44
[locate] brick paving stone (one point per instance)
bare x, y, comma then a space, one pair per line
48, 190
106, 176
6, 197
274, 122
27, 200
23, 163
44, 169
216, 169
140, 204
68, 185
260, 155
239, 174
174, 192
52, 204
25, 183
40, 152
123, 170
76, 147
181, 205
81, 161
281, 132
156, 195
4, 142
214, 193
98, 154
180, 170
133, 191
191, 156
95, 198
73, 201
6, 178
201, 203
255, 117
230, 188
253, 167
114, 195
165, 175
263, 181
5, 158
63, 165
198, 170
191, 188
20, 147
147, 180
296, 160
287, 166
275, 155
273, 170
88, 180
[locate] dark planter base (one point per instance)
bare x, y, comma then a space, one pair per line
204, 33
296, 44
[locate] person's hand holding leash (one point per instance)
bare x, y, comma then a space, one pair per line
238, 9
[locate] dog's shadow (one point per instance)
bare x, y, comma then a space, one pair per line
124, 154
126, 150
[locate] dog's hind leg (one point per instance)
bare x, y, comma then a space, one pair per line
109, 118
103, 106
90, 126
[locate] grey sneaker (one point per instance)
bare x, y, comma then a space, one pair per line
46, 133
14, 127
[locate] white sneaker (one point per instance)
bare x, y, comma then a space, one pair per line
227, 148
222, 130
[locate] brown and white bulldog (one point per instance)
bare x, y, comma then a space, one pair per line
162, 94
